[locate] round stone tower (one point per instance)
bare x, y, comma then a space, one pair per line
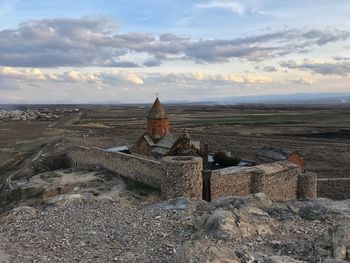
158, 122
183, 177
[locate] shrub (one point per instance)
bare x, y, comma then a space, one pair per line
223, 159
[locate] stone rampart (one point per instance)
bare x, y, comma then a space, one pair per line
230, 181
281, 180
175, 176
277, 180
183, 177
140, 169
334, 188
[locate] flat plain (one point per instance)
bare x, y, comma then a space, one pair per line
321, 133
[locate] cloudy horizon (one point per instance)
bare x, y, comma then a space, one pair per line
183, 50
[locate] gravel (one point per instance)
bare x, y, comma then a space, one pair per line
96, 231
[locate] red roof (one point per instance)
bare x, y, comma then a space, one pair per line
157, 111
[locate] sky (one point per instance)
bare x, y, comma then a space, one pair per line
88, 51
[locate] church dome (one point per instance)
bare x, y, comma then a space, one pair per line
157, 111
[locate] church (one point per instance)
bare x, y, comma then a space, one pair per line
158, 141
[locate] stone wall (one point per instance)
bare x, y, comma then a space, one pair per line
183, 177
175, 176
230, 181
281, 183
140, 169
307, 186
334, 188
277, 180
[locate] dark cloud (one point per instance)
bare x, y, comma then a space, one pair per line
97, 42
152, 63
340, 58
270, 69
324, 68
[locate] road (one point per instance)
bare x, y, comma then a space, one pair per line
66, 122
29, 161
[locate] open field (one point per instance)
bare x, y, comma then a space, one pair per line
320, 133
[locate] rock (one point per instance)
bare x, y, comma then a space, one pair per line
341, 241
20, 213
245, 224
201, 252
259, 200
336, 242
334, 261
180, 203
281, 259
66, 199
281, 212
4, 257
313, 211
222, 225
226, 225
203, 206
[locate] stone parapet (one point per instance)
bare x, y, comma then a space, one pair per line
183, 177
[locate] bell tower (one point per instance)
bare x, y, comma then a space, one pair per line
157, 121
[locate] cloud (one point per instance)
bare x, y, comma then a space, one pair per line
72, 76
340, 58
133, 78
117, 77
232, 6
32, 73
318, 67
302, 81
201, 77
269, 69
93, 42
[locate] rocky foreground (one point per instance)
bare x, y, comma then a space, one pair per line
79, 228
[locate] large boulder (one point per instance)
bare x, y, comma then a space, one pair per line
205, 252
21, 213
281, 259
341, 242
314, 211
67, 199
238, 224
335, 243
222, 225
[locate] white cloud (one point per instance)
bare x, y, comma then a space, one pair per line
232, 6
302, 81
319, 67
133, 78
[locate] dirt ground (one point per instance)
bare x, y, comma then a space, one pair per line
320, 133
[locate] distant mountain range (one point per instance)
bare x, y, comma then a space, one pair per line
296, 98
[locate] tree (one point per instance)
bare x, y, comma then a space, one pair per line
223, 159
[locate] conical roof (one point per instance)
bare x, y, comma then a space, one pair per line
157, 111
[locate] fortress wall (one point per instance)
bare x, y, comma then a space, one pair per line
183, 177
282, 185
230, 181
137, 168
334, 188
277, 180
